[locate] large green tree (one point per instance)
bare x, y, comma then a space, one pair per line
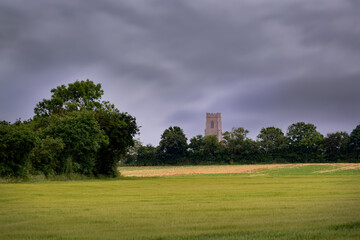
211, 148
173, 145
235, 137
80, 96
76, 96
196, 149
271, 139
235, 143
271, 142
120, 128
82, 138
336, 146
305, 141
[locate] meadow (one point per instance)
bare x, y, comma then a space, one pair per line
284, 202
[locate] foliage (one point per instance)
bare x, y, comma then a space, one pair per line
196, 149
235, 137
46, 154
211, 148
16, 143
72, 132
110, 132
354, 142
336, 146
120, 128
77, 96
237, 144
148, 156
305, 141
271, 139
272, 143
82, 138
173, 145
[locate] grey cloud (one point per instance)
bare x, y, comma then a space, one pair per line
256, 62
324, 102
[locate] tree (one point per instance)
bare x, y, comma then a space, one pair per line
271, 139
147, 156
131, 155
196, 149
234, 142
196, 143
84, 96
173, 145
354, 142
335, 146
16, 143
272, 142
82, 138
77, 96
120, 128
211, 147
305, 141
250, 152
235, 137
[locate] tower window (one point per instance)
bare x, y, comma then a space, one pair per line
212, 124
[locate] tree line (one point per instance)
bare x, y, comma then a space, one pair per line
73, 132
302, 143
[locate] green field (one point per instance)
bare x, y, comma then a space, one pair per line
301, 202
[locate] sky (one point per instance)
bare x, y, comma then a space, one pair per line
260, 63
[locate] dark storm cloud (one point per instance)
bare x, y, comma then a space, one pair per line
170, 62
325, 103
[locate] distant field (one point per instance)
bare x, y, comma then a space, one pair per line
287, 202
222, 169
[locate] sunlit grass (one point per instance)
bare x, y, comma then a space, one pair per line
285, 203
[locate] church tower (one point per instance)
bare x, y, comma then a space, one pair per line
213, 125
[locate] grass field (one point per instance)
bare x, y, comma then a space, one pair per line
286, 202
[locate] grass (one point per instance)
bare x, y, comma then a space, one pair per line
297, 202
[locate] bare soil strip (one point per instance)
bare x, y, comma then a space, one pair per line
214, 169
188, 170
345, 167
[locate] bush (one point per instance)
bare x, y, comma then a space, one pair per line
81, 136
16, 143
44, 158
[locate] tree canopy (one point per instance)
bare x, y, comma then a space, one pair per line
271, 139
302, 143
173, 144
72, 132
76, 96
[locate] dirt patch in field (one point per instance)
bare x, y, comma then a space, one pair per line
188, 170
344, 166
213, 169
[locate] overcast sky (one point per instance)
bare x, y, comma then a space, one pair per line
259, 62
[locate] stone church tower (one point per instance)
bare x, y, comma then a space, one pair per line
213, 125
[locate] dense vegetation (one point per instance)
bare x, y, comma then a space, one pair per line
73, 132
302, 143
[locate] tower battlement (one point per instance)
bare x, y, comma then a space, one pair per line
213, 125
213, 115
